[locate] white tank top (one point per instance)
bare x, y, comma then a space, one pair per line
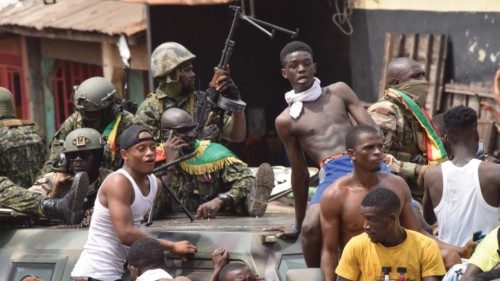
462, 209
103, 255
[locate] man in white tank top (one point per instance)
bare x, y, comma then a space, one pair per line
123, 200
462, 194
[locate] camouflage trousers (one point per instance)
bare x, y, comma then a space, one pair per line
19, 199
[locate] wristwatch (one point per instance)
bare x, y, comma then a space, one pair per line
224, 198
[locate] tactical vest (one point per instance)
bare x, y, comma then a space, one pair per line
22, 152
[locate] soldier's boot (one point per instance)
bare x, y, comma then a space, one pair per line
259, 193
68, 209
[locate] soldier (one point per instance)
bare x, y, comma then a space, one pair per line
68, 209
411, 142
84, 151
22, 151
171, 64
97, 107
214, 179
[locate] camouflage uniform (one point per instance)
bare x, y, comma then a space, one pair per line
22, 151
193, 190
74, 121
19, 199
404, 137
151, 109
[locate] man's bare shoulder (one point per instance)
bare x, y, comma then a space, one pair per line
490, 170
340, 89
432, 175
114, 182
394, 182
338, 189
283, 123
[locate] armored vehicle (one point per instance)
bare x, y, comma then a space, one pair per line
50, 253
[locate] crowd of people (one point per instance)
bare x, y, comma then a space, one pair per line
398, 197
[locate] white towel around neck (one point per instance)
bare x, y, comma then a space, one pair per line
295, 99
154, 274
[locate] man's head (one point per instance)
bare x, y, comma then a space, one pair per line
6, 103
408, 76
178, 123
401, 70
380, 208
143, 255
172, 64
138, 149
460, 126
298, 65
365, 147
237, 271
83, 150
97, 101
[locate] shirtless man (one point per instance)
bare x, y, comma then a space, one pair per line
342, 220
315, 123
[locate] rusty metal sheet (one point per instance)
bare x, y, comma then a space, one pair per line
181, 2
92, 16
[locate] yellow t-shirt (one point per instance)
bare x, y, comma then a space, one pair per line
363, 260
485, 256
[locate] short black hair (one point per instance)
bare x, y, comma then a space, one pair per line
460, 119
146, 252
383, 198
294, 46
230, 268
352, 134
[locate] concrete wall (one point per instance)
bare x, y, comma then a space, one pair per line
474, 49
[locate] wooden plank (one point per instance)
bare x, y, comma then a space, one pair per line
388, 47
441, 67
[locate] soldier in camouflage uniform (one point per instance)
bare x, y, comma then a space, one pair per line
83, 152
22, 151
97, 105
404, 137
214, 179
171, 64
16, 197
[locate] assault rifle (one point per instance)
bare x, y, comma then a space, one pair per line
126, 103
214, 102
161, 170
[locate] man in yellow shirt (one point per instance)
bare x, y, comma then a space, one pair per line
386, 251
485, 260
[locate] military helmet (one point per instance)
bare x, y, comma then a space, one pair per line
167, 57
6, 103
83, 139
94, 94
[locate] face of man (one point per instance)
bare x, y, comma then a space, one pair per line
368, 152
299, 69
244, 274
377, 223
187, 77
141, 157
80, 161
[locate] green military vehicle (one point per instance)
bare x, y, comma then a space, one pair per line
50, 253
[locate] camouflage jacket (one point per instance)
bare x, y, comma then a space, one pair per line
404, 137
233, 179
74, 121
22, 151
151, 109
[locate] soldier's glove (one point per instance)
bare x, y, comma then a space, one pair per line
210, 132
227, 87
393, 164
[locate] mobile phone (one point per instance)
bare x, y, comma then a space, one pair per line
165, 133
477, 236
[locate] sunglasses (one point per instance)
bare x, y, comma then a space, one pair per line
178, 131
